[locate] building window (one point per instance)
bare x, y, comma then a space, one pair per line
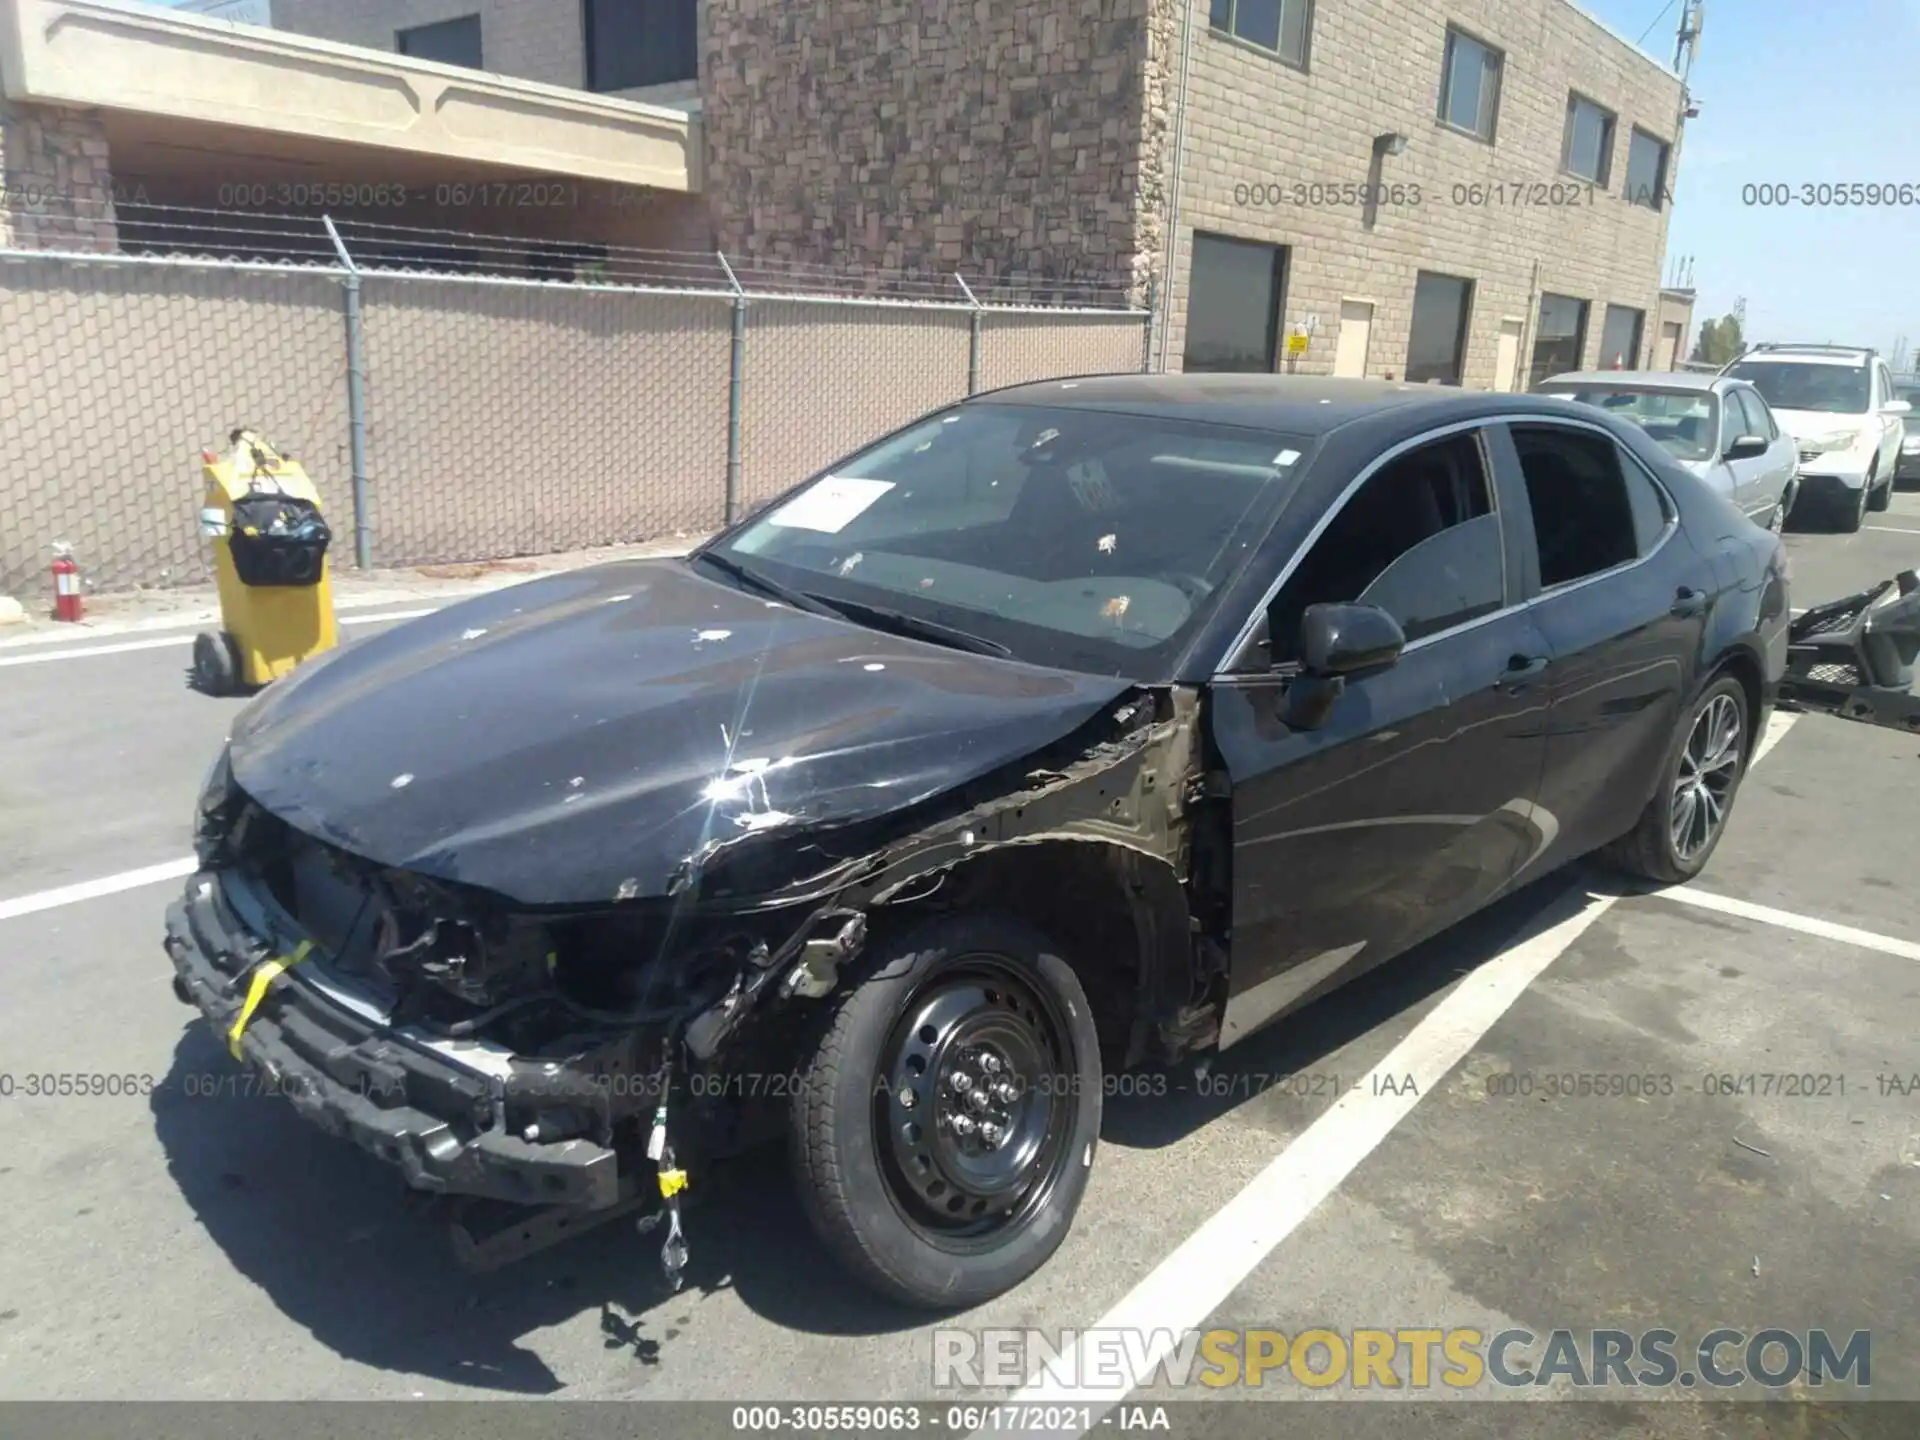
1587, 150
1646, 170
1562, 337
451, 42
1437, 348
1620, 338
631, 43
1470, 85
1233, 305
1282, 26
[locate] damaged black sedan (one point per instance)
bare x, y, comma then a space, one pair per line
1080, 726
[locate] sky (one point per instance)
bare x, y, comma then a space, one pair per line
1796, 92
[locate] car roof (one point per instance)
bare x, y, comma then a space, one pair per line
1852, 359
1689, 380
1303, 405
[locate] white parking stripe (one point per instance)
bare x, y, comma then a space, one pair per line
1196, 1279
1787, 920
388, 615
43, 656
94, 889
160, 642
1776, 731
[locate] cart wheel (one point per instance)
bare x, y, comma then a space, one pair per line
216, 664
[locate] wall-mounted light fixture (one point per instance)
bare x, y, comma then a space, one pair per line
1392, 143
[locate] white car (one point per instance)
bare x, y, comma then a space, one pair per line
1845, 415
1718, 427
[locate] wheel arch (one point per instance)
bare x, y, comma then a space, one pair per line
1742, 661
1119, 917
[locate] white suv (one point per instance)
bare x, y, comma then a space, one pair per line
1841, 407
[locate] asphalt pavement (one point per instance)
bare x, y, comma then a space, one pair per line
190, 1240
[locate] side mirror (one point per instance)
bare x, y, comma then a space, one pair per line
1338, 643
1349, 641
1898, 407
1748, 447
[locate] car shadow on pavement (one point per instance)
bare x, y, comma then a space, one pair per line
323, 1229
1289, 1060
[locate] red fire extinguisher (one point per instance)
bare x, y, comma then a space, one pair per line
67, 604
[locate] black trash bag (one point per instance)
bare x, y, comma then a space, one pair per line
277, 540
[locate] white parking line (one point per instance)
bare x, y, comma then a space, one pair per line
1776, 731
1896, 530
94, 889
160, 642
1787, 920
1197, 1278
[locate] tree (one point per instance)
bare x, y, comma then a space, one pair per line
1719, 341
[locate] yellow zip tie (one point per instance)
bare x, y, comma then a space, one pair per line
672, 1182
263, 976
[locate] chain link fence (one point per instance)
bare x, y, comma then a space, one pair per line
510, 401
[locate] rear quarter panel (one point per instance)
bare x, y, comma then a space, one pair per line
1752, 604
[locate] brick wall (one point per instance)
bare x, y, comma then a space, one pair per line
1375, 68
56, 187
997, 136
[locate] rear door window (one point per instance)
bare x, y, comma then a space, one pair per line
1593, 507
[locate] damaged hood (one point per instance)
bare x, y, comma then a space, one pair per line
590, 736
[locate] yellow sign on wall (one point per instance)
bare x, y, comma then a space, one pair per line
1297, 343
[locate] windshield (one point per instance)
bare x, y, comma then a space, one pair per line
1685, 421
1078, 538
1828, 389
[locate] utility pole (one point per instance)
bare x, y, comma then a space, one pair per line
1692, 15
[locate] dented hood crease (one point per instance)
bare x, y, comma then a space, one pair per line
579, 738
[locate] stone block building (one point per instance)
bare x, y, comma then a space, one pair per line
1471, 192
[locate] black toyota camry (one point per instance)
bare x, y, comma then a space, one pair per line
1080, 726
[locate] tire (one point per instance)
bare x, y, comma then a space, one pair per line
884, 1203
1851, 513
1882, 497
216, 664
1650, 850
1783, 509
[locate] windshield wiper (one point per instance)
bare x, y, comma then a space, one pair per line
878, 616
766, 585
901, 623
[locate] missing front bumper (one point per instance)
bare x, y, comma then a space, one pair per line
440, 1122
1855, 657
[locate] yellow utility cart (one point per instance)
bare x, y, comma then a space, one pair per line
270, 541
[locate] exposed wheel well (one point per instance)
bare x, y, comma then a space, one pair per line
1119, 918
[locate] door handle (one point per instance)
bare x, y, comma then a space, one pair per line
1521, 669
1689, 602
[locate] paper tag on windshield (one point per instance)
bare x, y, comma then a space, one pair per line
830, 506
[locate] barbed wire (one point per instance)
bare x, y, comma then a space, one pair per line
289, 238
